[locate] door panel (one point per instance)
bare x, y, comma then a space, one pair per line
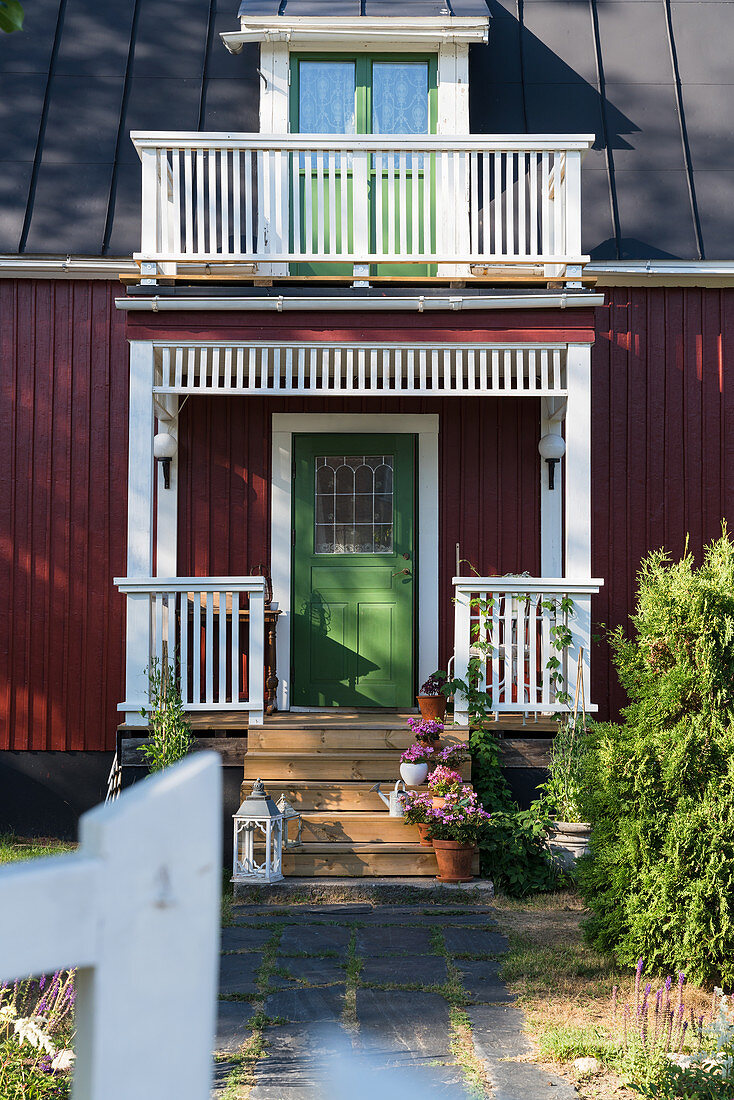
353, 570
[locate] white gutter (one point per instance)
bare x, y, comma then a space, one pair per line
662, 272
35, 267
418, 302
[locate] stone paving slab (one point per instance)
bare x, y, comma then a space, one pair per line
499, 1040
312, 971
299, 1061
404, 970
237, 973
390, 940
315, 939
232, 1029
306, 1004
474, 941
220, 1073
404, 1029
245, 939
482, 982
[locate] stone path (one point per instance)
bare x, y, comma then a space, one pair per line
320, 1002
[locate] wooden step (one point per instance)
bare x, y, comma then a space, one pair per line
374, 828
326, 796
383, 766
356, 739
362, 860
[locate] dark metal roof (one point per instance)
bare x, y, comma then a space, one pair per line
335, 8
652, 80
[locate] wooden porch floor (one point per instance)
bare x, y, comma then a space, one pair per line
222, 723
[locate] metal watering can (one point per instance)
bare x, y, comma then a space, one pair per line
395, 802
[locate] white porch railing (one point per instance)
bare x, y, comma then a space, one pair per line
508, 626
212, 628
278, 199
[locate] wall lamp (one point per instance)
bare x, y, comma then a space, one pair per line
552, 448
164, 448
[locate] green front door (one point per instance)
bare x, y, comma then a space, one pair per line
353, 571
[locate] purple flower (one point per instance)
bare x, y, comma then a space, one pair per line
668, 983
41, 981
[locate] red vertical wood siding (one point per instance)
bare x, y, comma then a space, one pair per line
63, 513
663, 465
663, 440
488, 483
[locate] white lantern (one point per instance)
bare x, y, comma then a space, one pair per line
258, 819
289, 814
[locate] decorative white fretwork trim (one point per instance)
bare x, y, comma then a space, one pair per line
329, 369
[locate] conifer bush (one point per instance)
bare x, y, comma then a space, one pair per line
659, 879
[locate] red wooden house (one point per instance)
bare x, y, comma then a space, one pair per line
295, 309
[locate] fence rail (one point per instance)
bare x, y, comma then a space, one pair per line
211, 628
282, 199
509, 631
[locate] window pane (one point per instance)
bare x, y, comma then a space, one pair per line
400, 97
352, 514
326, 97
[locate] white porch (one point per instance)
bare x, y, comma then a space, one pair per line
215, 625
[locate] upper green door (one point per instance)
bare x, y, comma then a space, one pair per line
364, 94
353, 570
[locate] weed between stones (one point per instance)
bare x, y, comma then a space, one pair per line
349, 1020
462, 1045
245, 1060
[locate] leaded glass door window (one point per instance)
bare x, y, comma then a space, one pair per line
353, 570
354, 504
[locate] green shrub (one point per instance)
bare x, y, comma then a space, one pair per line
660, 875
169, 736
513, 852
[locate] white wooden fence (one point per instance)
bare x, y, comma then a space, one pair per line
252, 198
212, 628
136, 909
508, 625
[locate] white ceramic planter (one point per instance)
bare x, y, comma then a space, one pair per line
414, 774
568, 841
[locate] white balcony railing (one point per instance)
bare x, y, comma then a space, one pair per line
512, 629
280, 199
212, 630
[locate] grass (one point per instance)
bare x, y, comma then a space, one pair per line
14, 848
564, 987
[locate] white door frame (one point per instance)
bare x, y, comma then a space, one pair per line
422, 425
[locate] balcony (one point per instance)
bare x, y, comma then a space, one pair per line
356, 207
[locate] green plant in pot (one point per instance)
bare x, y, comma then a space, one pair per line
417, 808
563, 796
431, 699
455, 829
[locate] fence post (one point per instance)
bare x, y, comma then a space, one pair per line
462, 646
256, 670
137, 910
572, 211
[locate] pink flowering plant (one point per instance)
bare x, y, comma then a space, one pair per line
425, 729
418, 753
461, 819
417, 808
443, 780
452, 755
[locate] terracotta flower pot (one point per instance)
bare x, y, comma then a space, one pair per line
423, 830
437, 802
454, 860
432, 706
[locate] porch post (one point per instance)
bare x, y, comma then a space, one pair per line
166, 551
578, 498
139, 526
551, 506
